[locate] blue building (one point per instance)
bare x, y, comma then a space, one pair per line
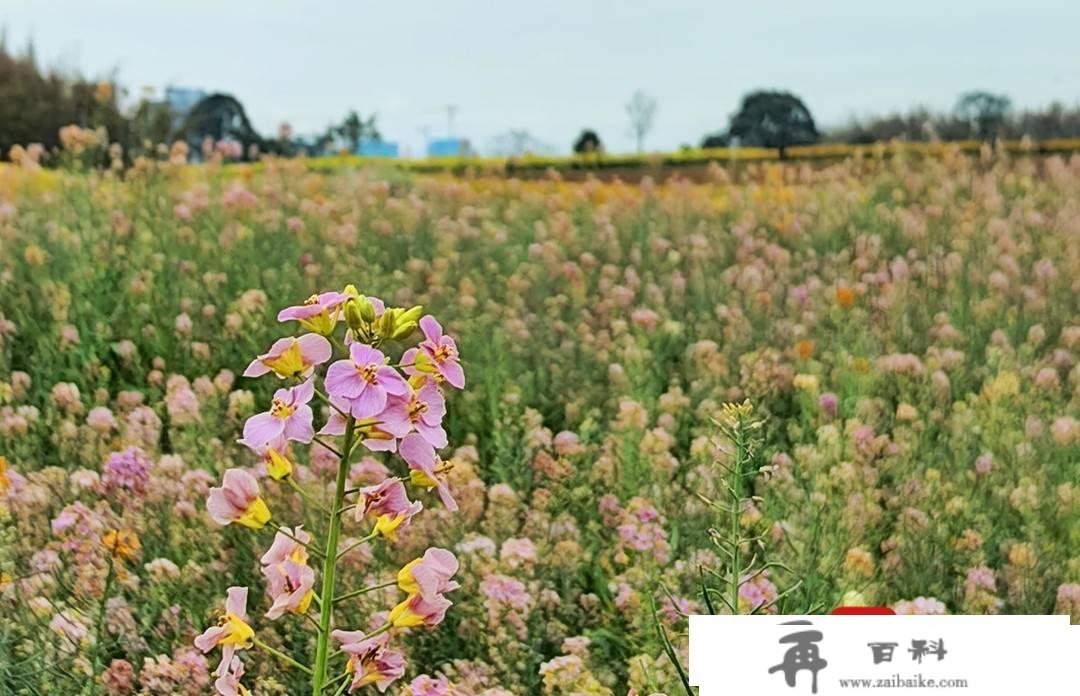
181, 100
449, 147
377, 148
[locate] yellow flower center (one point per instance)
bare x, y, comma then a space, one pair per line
256, 516
280, 409
368, 372
278, 466
289, 364
237, 631
417, 408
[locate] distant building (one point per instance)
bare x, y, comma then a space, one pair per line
449, 147
181, 100
377, 148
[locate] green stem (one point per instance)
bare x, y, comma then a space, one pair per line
359, 542
304, 495
357, 593
326, 614
736, 504
281, 656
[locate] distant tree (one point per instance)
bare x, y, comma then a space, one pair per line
985, 112
588, 142
714, 140
220, 117
642, 112
150, 124
773, 119
354, 129
36, 103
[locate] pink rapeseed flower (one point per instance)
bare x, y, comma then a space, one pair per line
319, 313
371, 661
364, 381
292, 357
437, 354
421, 410
289, 417
426, 468
430, 575
238, 500
232, 631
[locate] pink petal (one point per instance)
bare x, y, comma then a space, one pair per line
417, 453
262, 428
256, 369
453, 374
431, 328
342, 380
209, 638
298, 426
370, 402
236, 603
315, 349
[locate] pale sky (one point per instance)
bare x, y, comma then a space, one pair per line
555, 67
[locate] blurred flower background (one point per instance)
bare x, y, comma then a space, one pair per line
905, 328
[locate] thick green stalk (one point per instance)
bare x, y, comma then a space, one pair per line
326, 614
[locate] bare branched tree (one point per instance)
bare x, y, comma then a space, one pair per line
642, 112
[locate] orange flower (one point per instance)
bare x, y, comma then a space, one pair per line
123, 543
845, 297
804, 349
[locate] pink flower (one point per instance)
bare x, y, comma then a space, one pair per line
429, 576
364, 381
370, 660
426, 467
292, 357
436, 354
287, 546
388, 503
238, 500
420, 410
228, 684
424, 685
417, 610
232, 631
319, 313
289, 417
371, 430
289, 586
289, 580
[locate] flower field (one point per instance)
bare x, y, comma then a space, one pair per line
284, 431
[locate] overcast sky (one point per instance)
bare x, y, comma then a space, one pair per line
555, 67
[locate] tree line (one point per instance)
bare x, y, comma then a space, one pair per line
37, 104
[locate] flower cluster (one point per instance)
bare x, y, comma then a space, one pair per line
372, 402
